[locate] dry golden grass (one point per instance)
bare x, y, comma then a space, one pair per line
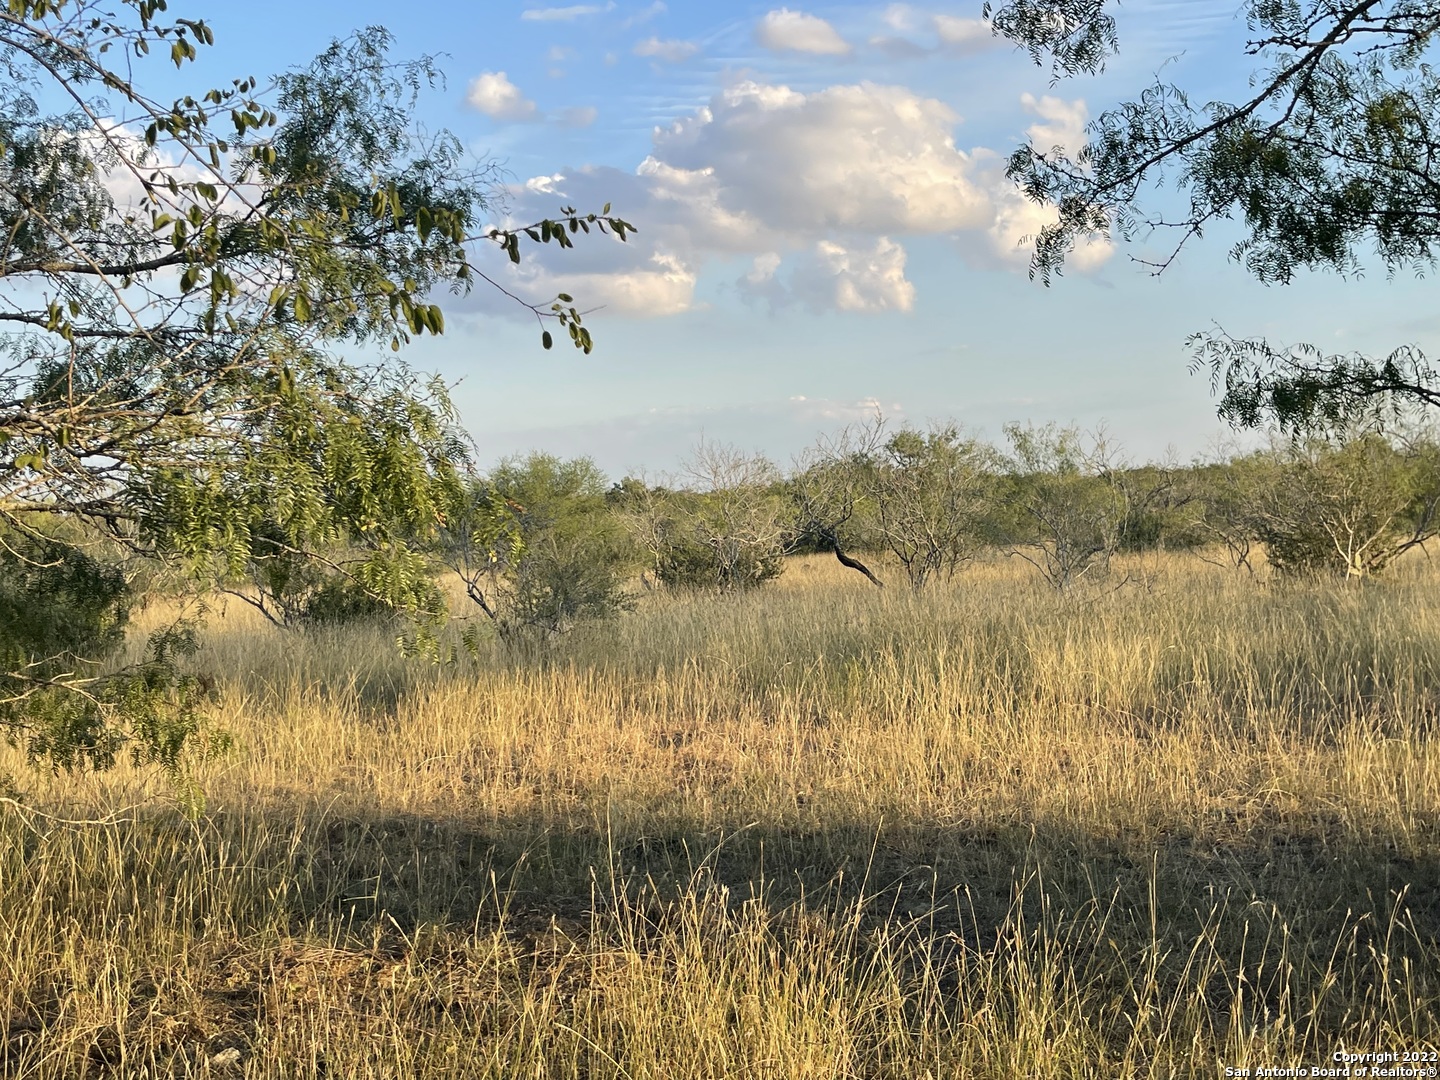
820, 831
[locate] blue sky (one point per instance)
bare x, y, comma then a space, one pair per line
824, 224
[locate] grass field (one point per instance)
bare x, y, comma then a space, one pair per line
818, 831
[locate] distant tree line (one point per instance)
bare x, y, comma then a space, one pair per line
543, 545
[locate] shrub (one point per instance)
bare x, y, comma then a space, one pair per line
1347, 504
539, 548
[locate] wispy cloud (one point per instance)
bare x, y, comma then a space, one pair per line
565, 14
644, 15
663, 437
1160, 24
672, 52
578, 116
901, 17
950, 33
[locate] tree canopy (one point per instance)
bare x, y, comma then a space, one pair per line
1328, 155
179, 281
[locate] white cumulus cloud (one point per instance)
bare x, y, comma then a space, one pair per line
493, 94
1062, 123
125, 161
652, 286
1018, 220
834, 277
764, 267
963, 35
546, 185
664, 286
760, 283
867, 278
818, 192
862, 277
797, 31
877, 159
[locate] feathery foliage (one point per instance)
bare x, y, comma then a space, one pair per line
1328, 155
176, 282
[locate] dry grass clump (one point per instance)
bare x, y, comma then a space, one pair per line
816, 831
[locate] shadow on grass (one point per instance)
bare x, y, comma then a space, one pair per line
1252, 931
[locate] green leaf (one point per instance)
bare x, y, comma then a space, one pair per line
546, 340
302, 307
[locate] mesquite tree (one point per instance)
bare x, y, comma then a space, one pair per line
539, 549
1329, 154
1346, 504
931, 490
1068, 502
833, 491
177, 279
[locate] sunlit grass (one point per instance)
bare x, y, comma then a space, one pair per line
1176, 821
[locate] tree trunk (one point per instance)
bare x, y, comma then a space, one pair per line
852, 563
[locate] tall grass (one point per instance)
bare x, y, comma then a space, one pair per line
817, 831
